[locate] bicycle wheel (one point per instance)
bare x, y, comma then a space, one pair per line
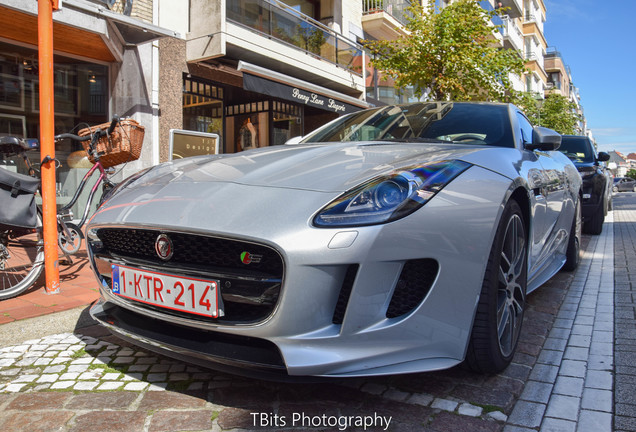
70, 244
21, 259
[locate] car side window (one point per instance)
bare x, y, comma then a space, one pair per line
526, 129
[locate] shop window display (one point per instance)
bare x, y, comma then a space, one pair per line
80, 97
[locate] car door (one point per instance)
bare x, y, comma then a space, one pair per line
546, 179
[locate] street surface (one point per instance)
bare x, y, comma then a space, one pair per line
575, 370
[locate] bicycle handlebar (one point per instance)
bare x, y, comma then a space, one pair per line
113, 123
72, 136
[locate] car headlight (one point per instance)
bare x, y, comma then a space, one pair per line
389, 197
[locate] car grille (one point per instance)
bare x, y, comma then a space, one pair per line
249, 291
415, 282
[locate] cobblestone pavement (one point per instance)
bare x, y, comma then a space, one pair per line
625, 312
560, 379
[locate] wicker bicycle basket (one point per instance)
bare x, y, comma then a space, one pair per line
123, 145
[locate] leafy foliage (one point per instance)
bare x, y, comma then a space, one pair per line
631, 173
555, 112
449, 55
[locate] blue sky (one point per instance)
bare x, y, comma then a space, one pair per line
596, 39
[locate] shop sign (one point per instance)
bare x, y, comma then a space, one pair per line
295, 94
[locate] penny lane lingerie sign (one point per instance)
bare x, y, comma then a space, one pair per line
294, 94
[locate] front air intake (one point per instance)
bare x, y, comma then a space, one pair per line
415, 282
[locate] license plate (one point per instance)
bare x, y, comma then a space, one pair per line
195, 296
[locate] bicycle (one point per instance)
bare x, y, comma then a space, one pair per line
22, 249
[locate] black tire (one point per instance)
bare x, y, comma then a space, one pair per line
595, 224
21, 259
502, 301
573, 253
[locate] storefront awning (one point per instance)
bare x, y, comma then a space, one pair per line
133, 31
275, 84
79, 28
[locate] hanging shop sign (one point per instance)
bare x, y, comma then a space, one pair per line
295, 94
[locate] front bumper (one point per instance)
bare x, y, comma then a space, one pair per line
305, 335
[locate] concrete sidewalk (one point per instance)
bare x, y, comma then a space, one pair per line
570, 387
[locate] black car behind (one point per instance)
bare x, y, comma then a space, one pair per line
597, 182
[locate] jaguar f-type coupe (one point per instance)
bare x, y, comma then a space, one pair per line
392, 240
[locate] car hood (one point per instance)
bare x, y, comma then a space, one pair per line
321, 168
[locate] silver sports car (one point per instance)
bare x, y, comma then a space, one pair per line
392, 240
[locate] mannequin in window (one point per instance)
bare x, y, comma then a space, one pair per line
247, 136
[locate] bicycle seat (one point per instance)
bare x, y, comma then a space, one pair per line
11, 146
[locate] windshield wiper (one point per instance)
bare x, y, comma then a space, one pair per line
417, 140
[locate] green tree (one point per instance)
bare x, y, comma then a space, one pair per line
555, 112
631, 173
449, 55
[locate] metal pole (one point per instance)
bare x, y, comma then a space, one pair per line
47, 145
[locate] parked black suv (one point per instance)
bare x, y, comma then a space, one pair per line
597, 181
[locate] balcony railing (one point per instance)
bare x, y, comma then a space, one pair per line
398, 9
512, 32
276, 20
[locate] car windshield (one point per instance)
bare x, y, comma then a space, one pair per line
577, 149
448, 122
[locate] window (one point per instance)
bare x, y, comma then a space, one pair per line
525, 129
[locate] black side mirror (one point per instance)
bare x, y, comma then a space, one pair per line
544, 139
603, 157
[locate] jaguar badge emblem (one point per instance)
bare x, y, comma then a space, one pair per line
163, 247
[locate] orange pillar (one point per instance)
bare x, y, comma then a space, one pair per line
47, 145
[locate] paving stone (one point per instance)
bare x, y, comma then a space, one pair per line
231, 418
444, 404
544, 373
376, 389
527, 414
421, 399
557, 425
86, 385
38, 401
446, 421
110, 385
36, 421
597, 400
61, 385
163, 400
26, 378
574, 368
550, 357
47, 378
135, 386
156, 377
469, 410
594, 421
112, 400
563, 407
536, 391
167, 421
110, 421
569, 386
396, 395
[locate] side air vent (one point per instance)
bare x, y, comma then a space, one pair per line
345, 293
414, 283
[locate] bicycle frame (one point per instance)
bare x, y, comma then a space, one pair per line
102, 178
